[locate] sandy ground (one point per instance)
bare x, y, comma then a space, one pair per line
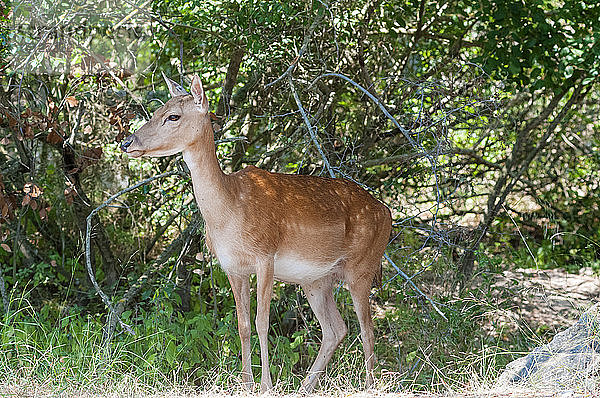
549, 297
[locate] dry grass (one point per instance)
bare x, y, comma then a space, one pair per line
122, 391
131, 387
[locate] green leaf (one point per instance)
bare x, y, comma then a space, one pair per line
587, 81
171, 352
514, 67
569, 71
411, 356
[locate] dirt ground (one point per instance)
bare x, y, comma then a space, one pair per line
549, 299
543, 302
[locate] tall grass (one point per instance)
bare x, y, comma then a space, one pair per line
57, 348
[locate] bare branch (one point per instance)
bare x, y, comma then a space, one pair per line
3, 292
88, 262
310, 128
412, 284
305, 42
148, 275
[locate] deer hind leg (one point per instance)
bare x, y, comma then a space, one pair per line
322, 302
264, 291
360, 290
241, 293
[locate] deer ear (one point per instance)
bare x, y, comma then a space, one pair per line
199, 96
174, 88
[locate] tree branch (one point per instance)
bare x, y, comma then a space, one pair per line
88, 232
309, 126
148, 275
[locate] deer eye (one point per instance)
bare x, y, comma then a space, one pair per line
173, 118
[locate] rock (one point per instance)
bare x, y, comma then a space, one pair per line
571, 361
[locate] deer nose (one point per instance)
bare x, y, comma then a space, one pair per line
125, 144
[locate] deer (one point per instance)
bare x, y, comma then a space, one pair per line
312, 231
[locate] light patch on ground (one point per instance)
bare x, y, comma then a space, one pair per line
552, 299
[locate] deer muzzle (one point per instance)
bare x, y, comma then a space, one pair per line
125, 146
126, 143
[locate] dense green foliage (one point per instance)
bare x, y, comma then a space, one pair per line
493, 164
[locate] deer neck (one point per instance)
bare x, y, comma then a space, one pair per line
210, 183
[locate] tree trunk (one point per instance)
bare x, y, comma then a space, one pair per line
223, 107
524, 152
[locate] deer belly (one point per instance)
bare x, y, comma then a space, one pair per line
288, 268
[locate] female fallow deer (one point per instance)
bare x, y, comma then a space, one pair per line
308, 230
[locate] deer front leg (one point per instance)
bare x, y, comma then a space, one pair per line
241, 293
264, 290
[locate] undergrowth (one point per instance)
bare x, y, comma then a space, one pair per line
417, 350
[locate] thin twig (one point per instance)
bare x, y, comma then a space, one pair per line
88, 262
383, 108
231, 139
3, 292
575, 234
522, 237
310, 128
412, 284
156, 266
305, 42
421, 152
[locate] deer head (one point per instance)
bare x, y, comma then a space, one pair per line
175, 126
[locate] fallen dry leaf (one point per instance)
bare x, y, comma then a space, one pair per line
72, 101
